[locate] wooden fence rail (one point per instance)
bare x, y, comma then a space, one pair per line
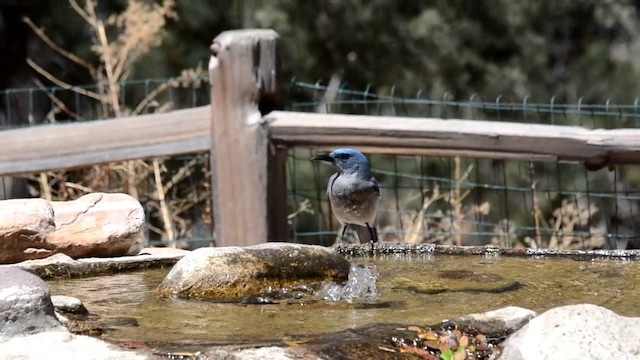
248, 142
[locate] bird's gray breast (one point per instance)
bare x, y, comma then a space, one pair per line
354, 200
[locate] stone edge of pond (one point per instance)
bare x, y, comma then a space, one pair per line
364, 250
60, 266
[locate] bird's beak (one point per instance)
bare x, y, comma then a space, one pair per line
323, 157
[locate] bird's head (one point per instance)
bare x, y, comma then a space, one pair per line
347, 161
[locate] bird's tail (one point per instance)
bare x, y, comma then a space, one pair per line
367, 234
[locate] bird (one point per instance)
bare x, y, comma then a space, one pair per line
353, 193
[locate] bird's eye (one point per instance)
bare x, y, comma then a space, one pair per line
343, 156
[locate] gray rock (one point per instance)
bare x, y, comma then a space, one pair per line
582, 331
68, 304
496, 323
25, 303
163, 251
233, 273
61, 265
260, 353
61, 344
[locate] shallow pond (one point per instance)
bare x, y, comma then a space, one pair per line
411, 290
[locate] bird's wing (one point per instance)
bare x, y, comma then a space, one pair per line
332, 179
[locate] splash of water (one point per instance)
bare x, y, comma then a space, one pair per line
361, 286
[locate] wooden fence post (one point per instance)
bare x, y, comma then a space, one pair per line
248, 176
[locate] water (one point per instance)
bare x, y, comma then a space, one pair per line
361, 286
410, 290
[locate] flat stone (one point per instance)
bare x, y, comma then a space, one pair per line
63, 266
234, 273
25, 304
260, 353
493, 324
68, 304
163, 251
583, 331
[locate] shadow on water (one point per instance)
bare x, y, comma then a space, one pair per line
417, 289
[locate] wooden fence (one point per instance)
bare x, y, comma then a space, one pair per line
248, 139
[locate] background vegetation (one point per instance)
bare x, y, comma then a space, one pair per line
569, 50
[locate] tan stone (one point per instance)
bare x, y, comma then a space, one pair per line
25, 226
97, 224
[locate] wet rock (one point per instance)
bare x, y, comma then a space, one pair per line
25, 227
163, 251
267, 352
29, 328
234, 273
582, 331
69, 304
493, 324
25, 304
61, 265
97, 224
61, 344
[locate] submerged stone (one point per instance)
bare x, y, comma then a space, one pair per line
436, 282
235, 273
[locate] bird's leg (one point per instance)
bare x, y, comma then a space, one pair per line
340, 239
374, 237
344, 229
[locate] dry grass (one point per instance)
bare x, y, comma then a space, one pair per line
119, 42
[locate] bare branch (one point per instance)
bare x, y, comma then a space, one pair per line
62, 106
108, 67
61, 83
150, 97
85, 15
43, 36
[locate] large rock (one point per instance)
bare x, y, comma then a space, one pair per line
234, 273
96, 224
29, 328
61, 344
582, 331
25, 303
25, 227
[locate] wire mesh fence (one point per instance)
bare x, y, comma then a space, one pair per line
467, 201
175, 191
424, 199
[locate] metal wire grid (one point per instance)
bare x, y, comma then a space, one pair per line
510, 203
474, 201
185, 178
32, 106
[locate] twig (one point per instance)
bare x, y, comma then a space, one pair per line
108, 67
164, 209
44, 185
150, 97
61, 83
57, 101
85, 15
43, 36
